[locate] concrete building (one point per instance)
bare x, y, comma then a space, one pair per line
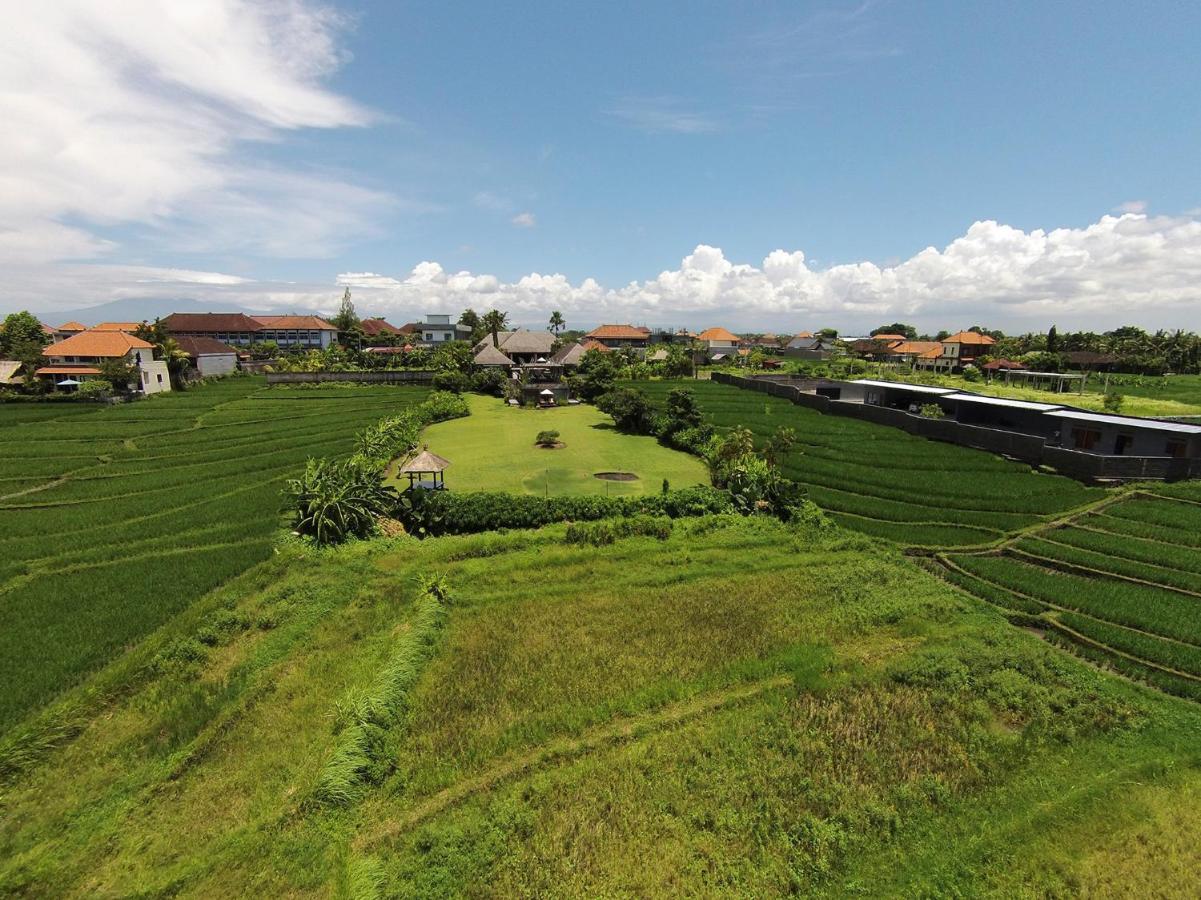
209, 358
438, 329
240, 330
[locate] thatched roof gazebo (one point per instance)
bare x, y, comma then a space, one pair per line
426, 463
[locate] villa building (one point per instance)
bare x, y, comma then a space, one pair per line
71, 362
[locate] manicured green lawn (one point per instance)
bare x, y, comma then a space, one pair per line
493, 450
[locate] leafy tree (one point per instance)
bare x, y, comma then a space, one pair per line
494, 322
1053, 340
630, 409
897, 328
547, 438
122, 375
682, 410
347, 318
828, 333
594, 376
20, 330
778, 445
472, 320
557, 323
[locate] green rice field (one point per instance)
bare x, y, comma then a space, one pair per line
890, 484
1120, 585
118, 517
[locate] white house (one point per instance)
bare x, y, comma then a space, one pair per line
76, 360
438, 329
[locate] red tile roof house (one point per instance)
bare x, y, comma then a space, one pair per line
239, 329
616, 337
75, 360
720, 341
959, 350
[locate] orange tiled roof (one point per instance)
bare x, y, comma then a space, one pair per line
718, 334
128, 327
72, 326
623, 332
97, 343
917, 347
309, 322
67, 370
969, 337
378, 326
933, 353
802, 334
590, 344
889, 337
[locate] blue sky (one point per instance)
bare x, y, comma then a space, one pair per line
610, 141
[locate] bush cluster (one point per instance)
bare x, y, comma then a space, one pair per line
430, 514
338, 499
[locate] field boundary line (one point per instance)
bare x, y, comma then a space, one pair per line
1054, 607
568, 748
1085, 639
1136, 537
1070, 568
1116, 555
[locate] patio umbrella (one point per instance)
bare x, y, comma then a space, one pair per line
68, 382
548, 393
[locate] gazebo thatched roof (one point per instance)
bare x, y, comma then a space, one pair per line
424, 462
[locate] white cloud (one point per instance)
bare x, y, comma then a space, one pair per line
1130, 268
1131, 206
525, 220
657, 115
137, 112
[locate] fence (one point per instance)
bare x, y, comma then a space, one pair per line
414, 376
1029, 448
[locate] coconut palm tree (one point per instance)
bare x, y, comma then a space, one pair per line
557, 323
495, 321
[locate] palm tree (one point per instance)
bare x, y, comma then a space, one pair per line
557, 323
494, 321
177, 360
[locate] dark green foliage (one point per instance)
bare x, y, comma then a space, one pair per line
547, 438
594, 376
630, 409
339, 499
448, 512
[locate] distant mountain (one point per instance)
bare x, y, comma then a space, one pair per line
137, 309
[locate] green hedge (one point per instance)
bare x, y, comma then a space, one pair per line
433, 513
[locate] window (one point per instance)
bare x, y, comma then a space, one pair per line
160, 378
1085, 438
1123, 443
1175, 449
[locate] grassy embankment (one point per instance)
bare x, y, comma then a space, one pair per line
740, 709
1170, 396
890, 484
493, 450
117, 518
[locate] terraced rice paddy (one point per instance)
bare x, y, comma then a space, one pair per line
117, 518
889, 484
1120, 585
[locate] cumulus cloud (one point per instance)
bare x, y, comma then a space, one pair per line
1131, 206
525, 220
135, 112
1129, 268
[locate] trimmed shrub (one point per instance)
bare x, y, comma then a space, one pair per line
429, 514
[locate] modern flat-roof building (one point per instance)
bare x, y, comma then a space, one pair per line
438, 329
